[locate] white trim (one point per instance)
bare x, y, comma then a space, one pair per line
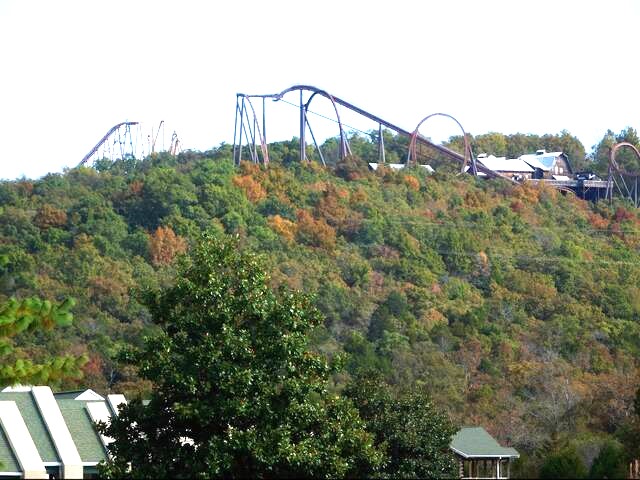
20, 440
17, 388
462, 454
59, 432
52, 464
90, 464
99, 412
115, 400
11, 474
89, 395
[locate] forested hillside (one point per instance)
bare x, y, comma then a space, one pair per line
517, 307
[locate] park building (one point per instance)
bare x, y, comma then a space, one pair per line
480, 455
53, 435
513, 168
548, 165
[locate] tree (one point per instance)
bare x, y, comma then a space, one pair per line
237, 393
164, 245
610, 462
408, 427
564, 464
17, 316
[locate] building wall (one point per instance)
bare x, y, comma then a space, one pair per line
518, 175
562, 166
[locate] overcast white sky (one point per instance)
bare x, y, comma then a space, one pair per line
69, 70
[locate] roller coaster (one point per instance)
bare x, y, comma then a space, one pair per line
126, 140
250, 135
250, 129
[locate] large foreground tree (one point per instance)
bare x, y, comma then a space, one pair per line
237, 392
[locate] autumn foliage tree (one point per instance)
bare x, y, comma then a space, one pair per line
164, 245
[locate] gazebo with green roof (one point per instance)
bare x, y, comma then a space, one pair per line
480, 455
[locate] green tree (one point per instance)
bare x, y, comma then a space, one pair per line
237, 393
564, 464
18, 316
610, 462
408, 427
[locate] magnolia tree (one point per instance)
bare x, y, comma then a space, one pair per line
237, 393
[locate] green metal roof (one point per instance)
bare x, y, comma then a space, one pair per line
82, 429
8, 462
476, 442
35, 424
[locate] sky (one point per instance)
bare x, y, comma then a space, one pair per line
70, 70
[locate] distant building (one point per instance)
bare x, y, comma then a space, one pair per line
512, 168
480, 455
548, 165
47, 435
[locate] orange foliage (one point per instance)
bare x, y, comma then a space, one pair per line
249, 168
315, 232
471, 199
135, 188
252, 189
431, 318
528, 193
25, 188
164, 245
49, 216
330, 208
318, 186
623, 214
359, 196
283, 227
598, 222
412, 182
483, 263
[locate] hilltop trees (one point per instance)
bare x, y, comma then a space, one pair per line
513, 306
237, 392
514, 145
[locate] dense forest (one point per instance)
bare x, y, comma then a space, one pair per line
515, 307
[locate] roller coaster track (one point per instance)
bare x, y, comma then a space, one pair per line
247, 125
104, 140
626, 182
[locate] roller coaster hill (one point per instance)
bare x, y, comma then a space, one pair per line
250, 139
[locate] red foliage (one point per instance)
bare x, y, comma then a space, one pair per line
517, 206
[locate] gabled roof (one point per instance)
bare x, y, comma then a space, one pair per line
542, 160
7, 457
60, 427
80, 425
501, 164
80, 395
35, 423
475, 442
